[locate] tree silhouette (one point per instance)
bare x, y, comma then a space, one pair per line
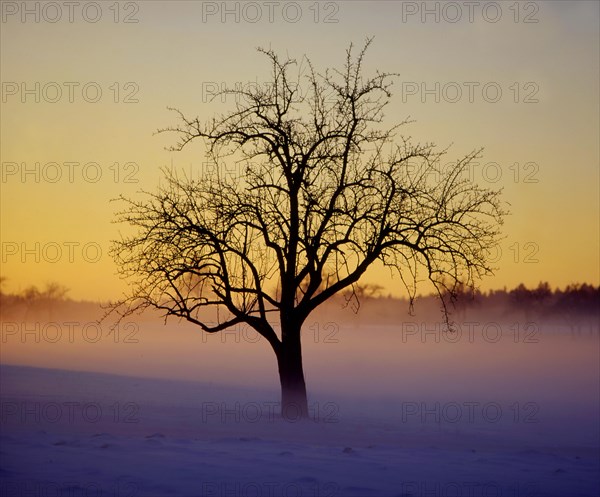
325, 191
532, 302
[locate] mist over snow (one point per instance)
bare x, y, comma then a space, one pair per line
398, 407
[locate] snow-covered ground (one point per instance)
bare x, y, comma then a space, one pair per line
391, 417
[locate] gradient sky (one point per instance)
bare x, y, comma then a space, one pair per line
167, 58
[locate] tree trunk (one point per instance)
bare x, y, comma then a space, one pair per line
294, 403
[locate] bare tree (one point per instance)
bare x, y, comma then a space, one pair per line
325, 191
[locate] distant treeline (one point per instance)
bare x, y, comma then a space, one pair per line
575, 305
42, 303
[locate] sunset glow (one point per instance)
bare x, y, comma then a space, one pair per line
62, 162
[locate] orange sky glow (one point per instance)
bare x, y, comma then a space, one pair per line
81, 101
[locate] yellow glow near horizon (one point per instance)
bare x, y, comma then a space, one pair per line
540, 136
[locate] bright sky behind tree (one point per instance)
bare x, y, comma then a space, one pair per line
82, 99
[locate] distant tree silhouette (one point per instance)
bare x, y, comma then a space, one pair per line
531, 302
33, 299
46, 299
578, 304
32, 294
460, 298
361, 291
326, 191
